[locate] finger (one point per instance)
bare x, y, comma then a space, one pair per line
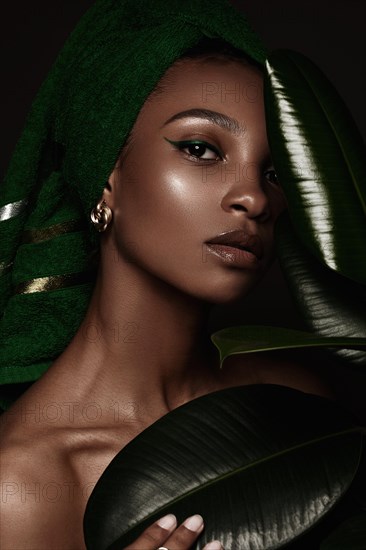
155, 535
213, 545
184, 536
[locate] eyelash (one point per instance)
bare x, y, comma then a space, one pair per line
181, 145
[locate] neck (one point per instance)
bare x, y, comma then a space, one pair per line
142, 340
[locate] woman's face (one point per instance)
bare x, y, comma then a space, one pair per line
198, 167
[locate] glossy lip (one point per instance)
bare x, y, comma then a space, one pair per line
239, 240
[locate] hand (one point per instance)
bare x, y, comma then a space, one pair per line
165, 532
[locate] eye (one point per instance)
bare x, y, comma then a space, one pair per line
272, 177
201, 150
197, 150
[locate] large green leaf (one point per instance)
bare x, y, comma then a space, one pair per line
262, 464
320, 160
330, 304
249, 339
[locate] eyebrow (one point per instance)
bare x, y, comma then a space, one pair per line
224, 121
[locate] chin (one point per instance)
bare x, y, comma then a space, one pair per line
227, 296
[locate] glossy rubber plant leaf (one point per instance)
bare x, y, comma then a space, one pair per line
262, 464
330, 304
350, 535
320, 159
249, 339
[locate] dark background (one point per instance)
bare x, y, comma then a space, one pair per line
331, 32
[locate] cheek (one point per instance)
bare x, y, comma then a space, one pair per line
157, 208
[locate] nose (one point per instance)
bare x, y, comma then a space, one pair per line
247, 194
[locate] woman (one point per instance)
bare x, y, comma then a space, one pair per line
135, 123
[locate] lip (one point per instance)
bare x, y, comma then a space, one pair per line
239, 244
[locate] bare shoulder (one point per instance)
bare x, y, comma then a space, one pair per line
21, 512
39, 504
49, 467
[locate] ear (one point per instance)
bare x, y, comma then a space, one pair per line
110, 187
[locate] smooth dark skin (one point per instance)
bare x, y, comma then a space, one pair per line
139, 352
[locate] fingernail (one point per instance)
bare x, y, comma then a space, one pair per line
213, 545
167, 522
194, 523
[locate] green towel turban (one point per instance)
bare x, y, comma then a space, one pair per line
77, 126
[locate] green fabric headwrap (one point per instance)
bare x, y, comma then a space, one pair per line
78, 124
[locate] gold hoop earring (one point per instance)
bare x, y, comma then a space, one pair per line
101, 216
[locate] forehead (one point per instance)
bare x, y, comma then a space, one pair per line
228, 86
223, 70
